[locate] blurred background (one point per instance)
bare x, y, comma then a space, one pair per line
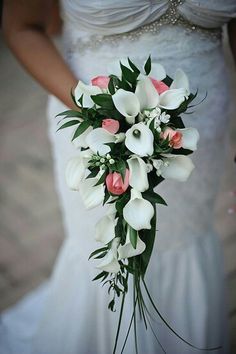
30, 222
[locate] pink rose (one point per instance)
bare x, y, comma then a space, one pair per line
159, 86
111, 125
176, 138
115, 184
101, 81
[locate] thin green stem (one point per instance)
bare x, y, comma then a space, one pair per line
135, 324
120, 317
172, 330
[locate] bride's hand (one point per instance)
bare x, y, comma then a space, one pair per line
25, 25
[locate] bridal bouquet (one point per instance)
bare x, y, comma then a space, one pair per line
131, 137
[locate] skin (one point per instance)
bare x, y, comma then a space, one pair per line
27, 26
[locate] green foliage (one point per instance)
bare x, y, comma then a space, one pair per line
133, 237
68, 124
81, 129
148, 65
103, 100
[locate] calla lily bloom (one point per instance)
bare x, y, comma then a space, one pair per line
110, 263
138, 212
172, 99
127, 104
105, 228
138, 173
157, 72
180, 81
176, 167
139, 140
86, 91
190, 138
91, 195
146, 93
75, 169
127, 250
98, 137
80, 141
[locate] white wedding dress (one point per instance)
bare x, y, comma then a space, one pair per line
69, 314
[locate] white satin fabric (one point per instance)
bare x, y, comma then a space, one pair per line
69, 315
112, 17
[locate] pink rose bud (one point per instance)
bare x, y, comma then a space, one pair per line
115, 183
111, 125
101, 81
176, 138
159, 86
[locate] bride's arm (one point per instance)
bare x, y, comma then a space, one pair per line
232, 37
24, 25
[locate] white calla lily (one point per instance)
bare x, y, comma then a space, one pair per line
139, 139
80, 141
172, 99
110, 262
75, 169
176, 167
127, 104
190, 138
97, 139
74, 172
127, 250
105, 228
138, 173
114, 66
180, 81
157, 72
138, 212
146, 93
87, 91
91, 195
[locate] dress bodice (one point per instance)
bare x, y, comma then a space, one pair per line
107, 17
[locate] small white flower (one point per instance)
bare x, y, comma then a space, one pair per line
157, 163
164, 117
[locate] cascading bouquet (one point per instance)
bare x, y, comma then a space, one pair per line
131, 137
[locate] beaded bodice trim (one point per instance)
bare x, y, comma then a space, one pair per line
171, 17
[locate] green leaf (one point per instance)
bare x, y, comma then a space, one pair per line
121, 202
133, 237
99, 250
119, 229
107, 196
100, 275
148, 65
133, 67
68, 124
111, 86
81, 129
121, 168
93, 173
103, 100
153, 197
101, 179
128, 74
148, 236
167, 80
70, 113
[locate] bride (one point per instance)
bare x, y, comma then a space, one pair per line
69, 314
